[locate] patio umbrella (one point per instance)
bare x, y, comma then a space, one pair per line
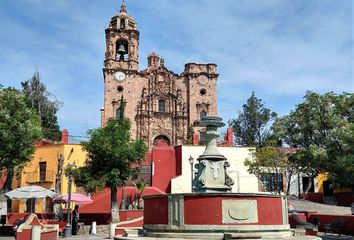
75, 197
30, 192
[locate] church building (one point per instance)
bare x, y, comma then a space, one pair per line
160, 104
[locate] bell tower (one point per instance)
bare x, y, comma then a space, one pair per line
122, 42
120, 64
160, 104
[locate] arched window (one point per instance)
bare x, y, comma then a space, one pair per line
161, 105
122, 23
202, 114
121, 50
118, 113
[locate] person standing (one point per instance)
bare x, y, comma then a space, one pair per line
75, 220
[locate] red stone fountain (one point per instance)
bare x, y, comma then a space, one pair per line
213, 212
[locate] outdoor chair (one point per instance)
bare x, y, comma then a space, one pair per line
338, 225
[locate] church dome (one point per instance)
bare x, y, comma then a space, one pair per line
122, 20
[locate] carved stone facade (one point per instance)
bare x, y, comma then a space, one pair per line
160, 103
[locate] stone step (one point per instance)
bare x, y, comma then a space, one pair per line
299, 231
132, 232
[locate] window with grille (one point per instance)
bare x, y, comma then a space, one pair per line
118, 111
161, 105
202, 114
42, 171
272, 182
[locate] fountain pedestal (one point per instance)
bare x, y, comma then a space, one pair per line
216, 216
213, 212
212, 175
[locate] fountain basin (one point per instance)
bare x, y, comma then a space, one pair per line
216, 216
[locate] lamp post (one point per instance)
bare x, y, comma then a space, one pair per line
67, 230
191, 161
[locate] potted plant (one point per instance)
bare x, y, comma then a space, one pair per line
140, 186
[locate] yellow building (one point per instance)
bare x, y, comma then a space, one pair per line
323, 185
43, 169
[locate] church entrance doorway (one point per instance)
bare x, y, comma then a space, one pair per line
163, 138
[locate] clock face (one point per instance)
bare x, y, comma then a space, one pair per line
119, 76
202, 80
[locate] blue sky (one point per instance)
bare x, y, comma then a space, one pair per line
278, 49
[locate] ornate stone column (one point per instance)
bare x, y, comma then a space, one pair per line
212, 175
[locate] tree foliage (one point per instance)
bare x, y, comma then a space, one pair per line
271, 161
322, 129
40, 99
112, 159
19, 129
251, 125
189, 137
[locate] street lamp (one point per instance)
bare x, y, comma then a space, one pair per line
191, 161
67, 230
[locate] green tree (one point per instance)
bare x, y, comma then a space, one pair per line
189, 138
112, 159
341, 148
322, 129
19, 129
40, 99
251, 125
271, 162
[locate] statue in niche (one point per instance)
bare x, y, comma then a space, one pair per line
144, 93
179, 131
144, 107
179, 107
179, 95
143, 130
160, 123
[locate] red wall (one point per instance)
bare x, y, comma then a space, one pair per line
269, 210
164, 160
344, 199
12, 217
24, 235
156, 210
178, 154
314, 197
102, 200
135, 213
324, 219
207, 210
49, 236
228, 139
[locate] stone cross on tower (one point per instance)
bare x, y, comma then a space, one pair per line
212, 175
